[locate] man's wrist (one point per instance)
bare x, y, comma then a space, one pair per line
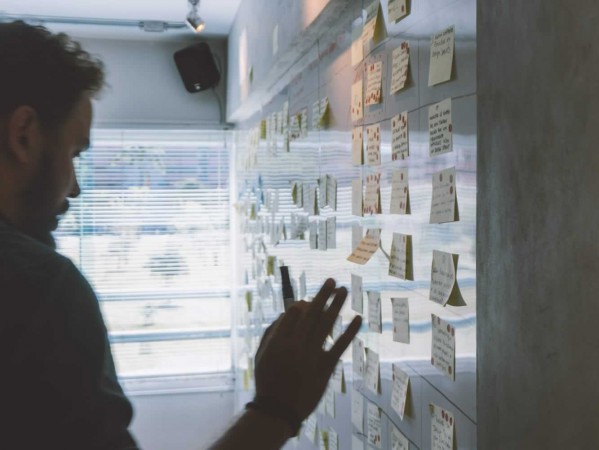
272, 408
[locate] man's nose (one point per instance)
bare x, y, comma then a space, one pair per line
75, 189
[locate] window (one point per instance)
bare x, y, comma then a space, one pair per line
151, 233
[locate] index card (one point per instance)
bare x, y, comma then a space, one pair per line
373, 145
372, 377
285, 123
357, 294
331, 233
297, 194
398, 440
398, 9
295, 130
339, 378
401, 63
400, 144
443, 346
401, 320
357, 147
357, 411
441, 61
357, 46
444, 206
442, 428
322, 235
440, 128
444, 286
358, 356
357, 103
322, 191
315, 114
375, 322
400, 192
356, 443
400, 261
399, 393
366, 248
304, 123
303, 289
375, 428
333, 440
329, 401
357, 197
374, 84
311, 426
331, 192
372, 198
375, 28
313, 235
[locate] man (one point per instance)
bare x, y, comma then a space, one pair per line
59, 387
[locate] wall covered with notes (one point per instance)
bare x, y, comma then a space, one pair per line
356, 159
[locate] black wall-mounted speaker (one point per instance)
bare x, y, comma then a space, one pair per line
197, 67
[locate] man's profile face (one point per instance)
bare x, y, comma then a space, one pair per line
44, 200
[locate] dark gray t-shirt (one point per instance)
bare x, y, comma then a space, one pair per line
57, 379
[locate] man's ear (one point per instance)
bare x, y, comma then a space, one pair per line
24, 134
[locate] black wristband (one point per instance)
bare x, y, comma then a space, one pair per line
273, 408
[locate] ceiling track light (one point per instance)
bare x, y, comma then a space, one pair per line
193, 20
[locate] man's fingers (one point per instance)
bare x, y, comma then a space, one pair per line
314, 311
325, 324
266, 336
344, 340
289, 320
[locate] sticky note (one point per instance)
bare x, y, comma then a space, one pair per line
331, 226
356, 443
331, 192
374, 84
400, 261
375, 323
441, 60
375, 28
442, 428
358, 357
373, 145
400, 66
313, 235
357, 147
440, 128
357, 103
444, 205
338, 379
444, 285
323, 442
372, 197
357, 411
400, 192
398, 440
297, 194
400, 145
333, 440
357, 294
401, 320
357, 46
295, 130
322, 235
398, 9
399, 392
303, 290
375, 427
311, 428
304, 122
443, 346
367, 247
329, 401
372, 377
357, 197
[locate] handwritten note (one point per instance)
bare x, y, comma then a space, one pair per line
357, 197
338, 379
358, 357
373, 145
310, 428
401, 320
375, 427
444, 206
357, 147
357, 46
366, 248
372, 378
357, 411
372, 197
398, 9
374, 85
400, 66
357, 294
374, 29
441, 61
375, 322
400, 144
440, 128
399, 392
322, 235
444, 285
331, 233
442, 428
357, 103
400, 261
295, 130
400, 192
443, 346
398, 440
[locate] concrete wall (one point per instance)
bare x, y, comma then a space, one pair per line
538, 238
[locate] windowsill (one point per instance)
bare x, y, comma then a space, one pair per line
178, 384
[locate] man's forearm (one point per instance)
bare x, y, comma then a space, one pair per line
255, 430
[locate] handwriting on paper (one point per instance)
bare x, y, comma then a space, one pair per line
367, 247
357, 411
400, 192
444, 206
374, 312
443, 346
444, 288
398, 440
357, 103
358, 357
373, 145
374, 84
398, 9
401, 320
399, 392
357, 46
372, 377
441, 60
400, 146
400, 261
372, 197
400, 66
440, 128
357, 147
442, 428
375, 428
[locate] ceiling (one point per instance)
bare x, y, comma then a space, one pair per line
218, 14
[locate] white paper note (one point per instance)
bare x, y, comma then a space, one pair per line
443, 347
398, 440
374, 29
357, 197
400, 143
401, 320
333, 440
444, 286
357, 294
372, 377
357, 46
366, 248
331, 192
356, 443
331, 233
310, 428
442, 428
375, 427
400, 192
373, 145
358, 357
372, 197
400, 261
313, 235
374, 84
357, 411
357, 104
440, 128
444, 205
322, 235
398, 9
338, 379
303, 289
375, 323
329, 401
441, 61
357, 148
399, 392
401, 63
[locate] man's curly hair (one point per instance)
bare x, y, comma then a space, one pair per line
48, 72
